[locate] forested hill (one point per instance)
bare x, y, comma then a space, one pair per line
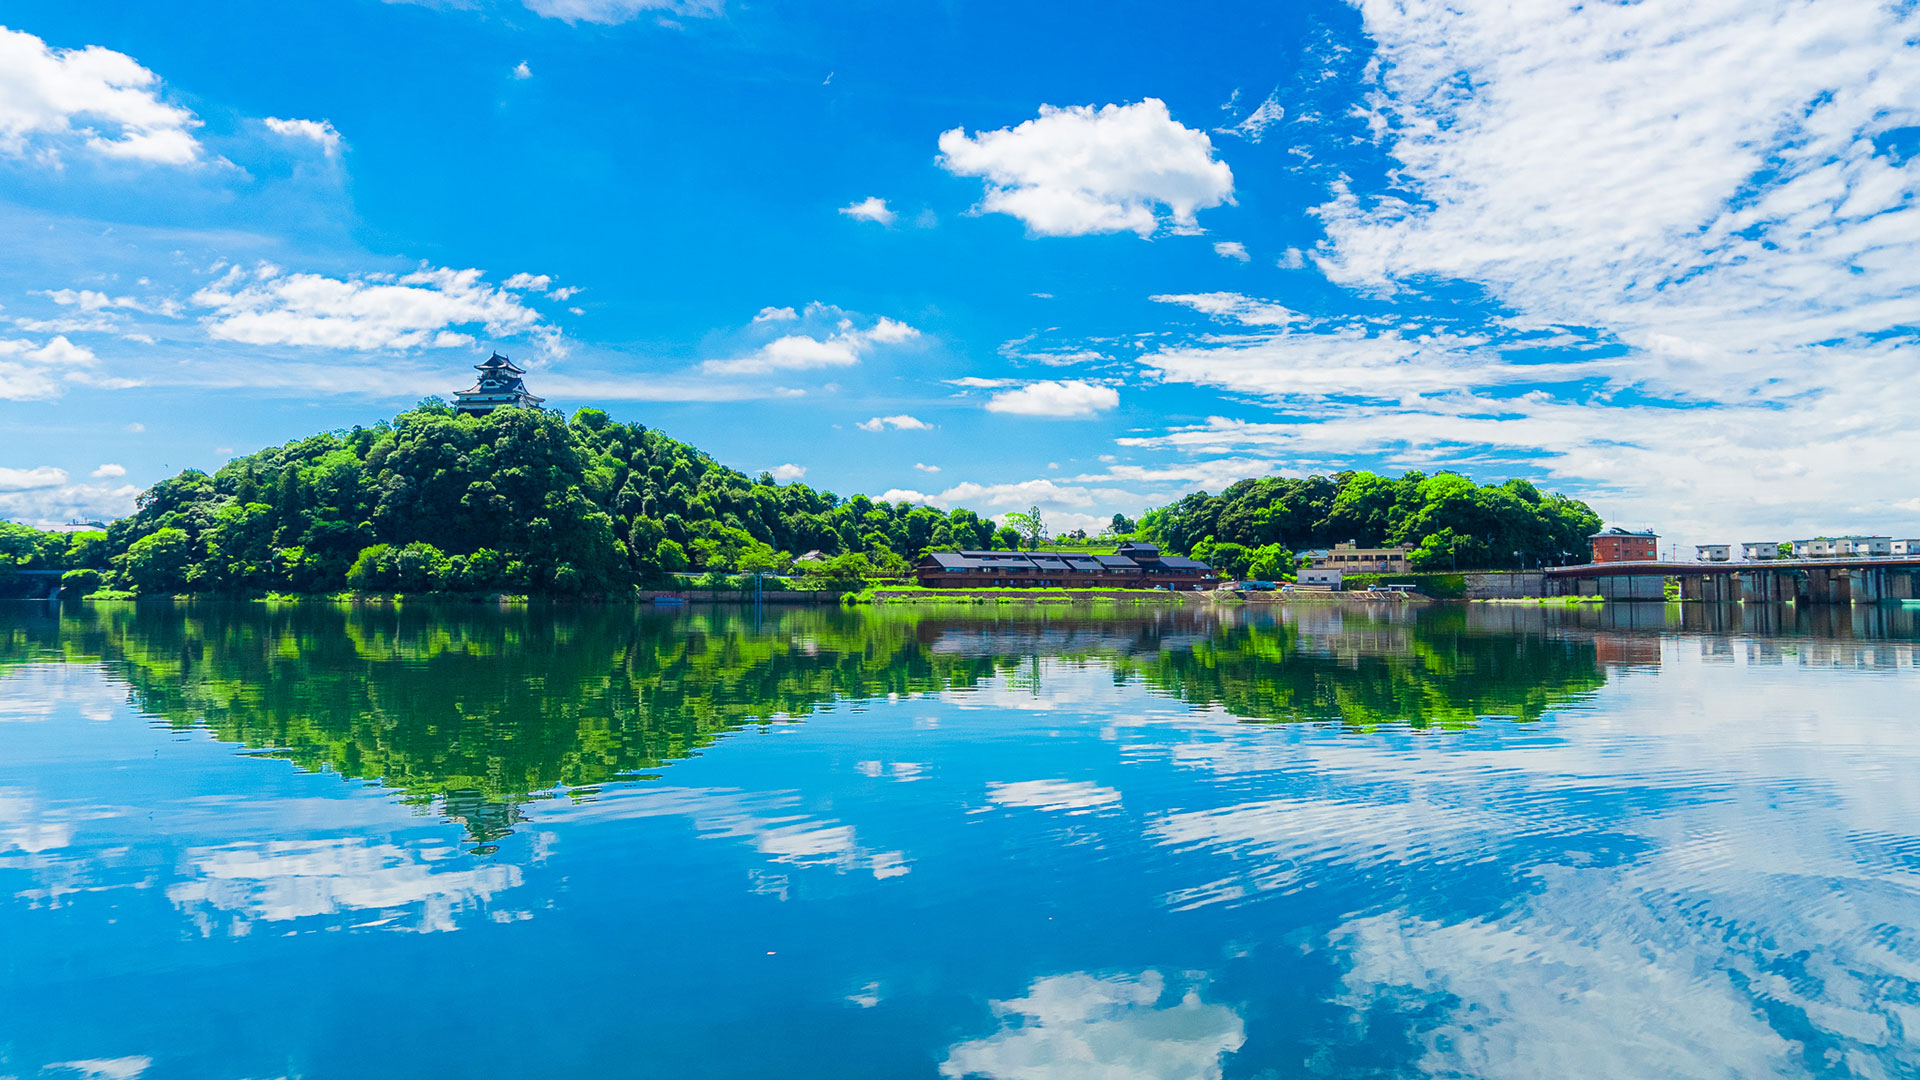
1450, 521
525, 500
517, 500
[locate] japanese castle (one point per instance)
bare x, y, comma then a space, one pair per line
499, 385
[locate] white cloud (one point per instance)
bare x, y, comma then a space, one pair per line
902, 422
567, 292
609, 12
1227, 305
1704, 183
43, 476
120, 1068
525, 282
374, 311
841, 346
39, 372
787, 473
98, 98
51, 507
1292, 259
107, 472
320, 132
1231, 249
1069, 398
1079, 170
1256, 123
522, 71
1071, 796
1112, 1027
926, 468
872, 209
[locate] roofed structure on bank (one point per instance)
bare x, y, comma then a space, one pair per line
1133, 566
498, 386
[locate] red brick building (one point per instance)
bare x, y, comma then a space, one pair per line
1620, 545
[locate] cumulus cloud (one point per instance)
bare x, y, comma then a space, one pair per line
609, 12
902, 422
1231, 249
319, 132
1079, 170
871, 209
43, 476
424, 309
926, 468
1068, 398
105, 472
93, 97
50, 506
1113, 1027
841, 346
787, 473
522, 71
31, 371
525, 282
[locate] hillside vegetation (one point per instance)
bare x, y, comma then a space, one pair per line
1450, 522
517, 500
524, 500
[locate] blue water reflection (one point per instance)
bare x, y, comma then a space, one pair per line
1485, 842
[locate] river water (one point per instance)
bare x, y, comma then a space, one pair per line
240, 841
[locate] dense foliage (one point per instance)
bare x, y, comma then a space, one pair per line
524, 500
518, 500
1450, 521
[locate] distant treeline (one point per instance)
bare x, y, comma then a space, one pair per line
1254, 526
524, 500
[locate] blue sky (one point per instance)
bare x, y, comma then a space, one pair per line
1089, 256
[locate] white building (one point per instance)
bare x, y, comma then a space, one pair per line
1865, 545
1320, 575
1712, 553
1903, 547
1820, 547
1760, 549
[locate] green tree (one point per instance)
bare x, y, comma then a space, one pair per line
157, 562
1029, 525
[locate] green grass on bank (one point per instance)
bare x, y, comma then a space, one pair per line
918, 594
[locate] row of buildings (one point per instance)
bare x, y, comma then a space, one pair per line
1624, 545
1820, 547
1132, 566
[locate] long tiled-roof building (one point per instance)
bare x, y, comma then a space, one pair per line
1133, 566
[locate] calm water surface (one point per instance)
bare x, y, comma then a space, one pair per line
239, 841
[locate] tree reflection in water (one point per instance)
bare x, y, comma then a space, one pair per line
476, 710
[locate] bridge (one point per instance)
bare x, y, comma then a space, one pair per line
1843, 580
